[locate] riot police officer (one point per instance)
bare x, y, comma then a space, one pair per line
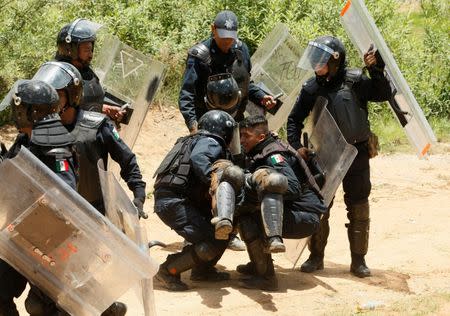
75, 43
187, 179
279, 201
222, 53
35, 113
348, 92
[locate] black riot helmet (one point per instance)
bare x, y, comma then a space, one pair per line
33, 101
62, 76
324, 50
71, 35
222, 93
218, 123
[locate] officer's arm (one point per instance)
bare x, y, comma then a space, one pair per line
203, 155
283, 167
303, 105
122, 154
187, 93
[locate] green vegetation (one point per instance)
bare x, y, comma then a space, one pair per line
419, 38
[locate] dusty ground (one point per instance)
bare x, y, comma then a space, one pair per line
409, 247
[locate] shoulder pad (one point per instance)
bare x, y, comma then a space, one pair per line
311, 86
91, 119
353, 75
200, 51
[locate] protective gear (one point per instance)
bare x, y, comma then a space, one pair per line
316, 246
50, 132
359, 267
140, 207
200, 51
324, 50
272, 217
33, 101
71, 35
241, 75
171, 281
93, 93
268, 180
85, 133
208, 273
116, 309
222, 93
218, 123
62, 76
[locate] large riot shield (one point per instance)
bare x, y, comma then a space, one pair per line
363, 32
122, 213
334, 156
128, 77
60, 243
274, 70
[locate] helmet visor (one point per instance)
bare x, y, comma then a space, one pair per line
56, 75
82, 30
315, 57
9, 98
235, 144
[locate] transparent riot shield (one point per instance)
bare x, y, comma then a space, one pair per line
274, 70
363, 32
130, 79
122, 213
60, 243
334, 156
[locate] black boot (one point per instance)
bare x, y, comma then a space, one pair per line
317, 245
313, 263
116, 309
247, 269
208, 274
8, 308
358, 266
169, 273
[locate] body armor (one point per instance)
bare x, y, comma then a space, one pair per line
51, 132
85, 133
93, 93
345, 107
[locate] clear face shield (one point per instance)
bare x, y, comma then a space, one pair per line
56, 75
235, 144
316, 56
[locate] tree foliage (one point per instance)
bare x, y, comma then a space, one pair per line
167, 28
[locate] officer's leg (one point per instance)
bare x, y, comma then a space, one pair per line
226, 182
260, 268
12, 284
39, 304
357, 188
271, 186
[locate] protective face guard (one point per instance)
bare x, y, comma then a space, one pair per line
56, 75
235, 144
82, 30
316, 56
124, 215
62, 244
8, 99
222, 81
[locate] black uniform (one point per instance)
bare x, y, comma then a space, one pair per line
13, 283
202, 64
348, 94
95, 138
302, 206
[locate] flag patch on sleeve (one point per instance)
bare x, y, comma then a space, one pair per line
276, 159
115, 133
62, 165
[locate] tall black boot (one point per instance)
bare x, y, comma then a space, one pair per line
169, 273
316, 246
358, 237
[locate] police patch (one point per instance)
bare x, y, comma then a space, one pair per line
277, 158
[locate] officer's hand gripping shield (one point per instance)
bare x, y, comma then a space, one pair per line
60, 243
363, 32
124, 215
275, 71
334, 155
128, 77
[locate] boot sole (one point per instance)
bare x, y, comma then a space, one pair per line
223, 231
306, 270
173, 287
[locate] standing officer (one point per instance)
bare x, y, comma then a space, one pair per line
347, 92
222, 53
35, 113
279, 201
187, 179
75, 43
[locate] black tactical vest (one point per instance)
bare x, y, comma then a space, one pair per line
345, 107
85, 133
93, 93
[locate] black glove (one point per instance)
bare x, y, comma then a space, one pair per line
140, 207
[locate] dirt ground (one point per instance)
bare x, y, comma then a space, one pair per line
409, 251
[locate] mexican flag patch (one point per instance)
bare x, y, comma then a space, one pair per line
62, 165
276, 159
115, 133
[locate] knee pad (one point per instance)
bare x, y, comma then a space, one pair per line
270, 180
235, 176
358, 212
206, 251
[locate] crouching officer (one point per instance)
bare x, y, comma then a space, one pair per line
34, 107
192, 172
280, 201
95, 138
